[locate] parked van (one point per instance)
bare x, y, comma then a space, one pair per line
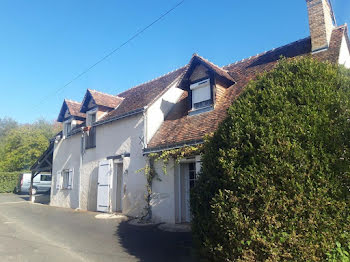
41, 183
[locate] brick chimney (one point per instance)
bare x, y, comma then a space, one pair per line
321, 21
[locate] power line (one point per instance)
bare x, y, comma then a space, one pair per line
115, 50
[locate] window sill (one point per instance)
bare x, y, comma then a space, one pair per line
200, 110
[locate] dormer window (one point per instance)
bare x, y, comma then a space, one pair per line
201, 94
91, 118
90, 138
67, 128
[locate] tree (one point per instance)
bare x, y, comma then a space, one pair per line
275, 178
23, 145
6, 124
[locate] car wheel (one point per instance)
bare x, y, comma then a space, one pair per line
34, 191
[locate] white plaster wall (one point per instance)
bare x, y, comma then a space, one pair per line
66, 155
165, 206
163, 197
160, 108
344, 56
116, 138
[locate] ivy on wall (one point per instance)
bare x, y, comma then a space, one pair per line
152, 175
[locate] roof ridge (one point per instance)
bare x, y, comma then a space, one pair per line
70, 100
115, 96
265, 52
208, 61
340, 26
154, 79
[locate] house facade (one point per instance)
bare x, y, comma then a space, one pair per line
107, 138
96, 160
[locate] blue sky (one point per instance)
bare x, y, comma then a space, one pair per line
44, 44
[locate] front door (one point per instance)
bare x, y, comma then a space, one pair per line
104, 172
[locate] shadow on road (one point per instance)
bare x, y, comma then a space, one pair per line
39, 198
149, 244
25, 197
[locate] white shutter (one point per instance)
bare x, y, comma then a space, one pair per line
201, 94
58, 180
103, 186
70, 178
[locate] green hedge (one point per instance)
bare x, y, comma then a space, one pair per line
276, 174
8, 181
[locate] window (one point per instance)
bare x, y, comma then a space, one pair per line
90, 137
91, 118
201, 94
65, 179
67, 128
45, 178
192, 174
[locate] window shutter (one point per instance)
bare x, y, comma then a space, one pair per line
58, 180
201, 94
70, 178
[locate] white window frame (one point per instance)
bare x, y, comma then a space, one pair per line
88, 116
199, 85
64, 180
65, 124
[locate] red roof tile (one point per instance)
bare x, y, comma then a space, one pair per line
73, 107
100, 99
142, 95
179, 127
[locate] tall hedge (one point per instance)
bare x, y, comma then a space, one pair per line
8, 181
275, 179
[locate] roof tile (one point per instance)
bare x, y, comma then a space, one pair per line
179, 127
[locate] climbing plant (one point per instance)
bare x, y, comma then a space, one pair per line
164, 157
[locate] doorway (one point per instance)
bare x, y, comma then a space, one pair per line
117, 196
186, 182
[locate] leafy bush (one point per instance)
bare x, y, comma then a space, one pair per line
339, 253
275, 178
8, 181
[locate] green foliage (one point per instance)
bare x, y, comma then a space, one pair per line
339, 253
176, 154
151, 174
23, 144
6, 124
8, 181
275, 177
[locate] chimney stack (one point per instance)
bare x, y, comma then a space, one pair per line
321, 21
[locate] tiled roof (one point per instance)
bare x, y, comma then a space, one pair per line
140, 96
74, 108
179, 127
216, 69
103, 99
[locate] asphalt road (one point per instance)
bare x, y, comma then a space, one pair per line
35, 232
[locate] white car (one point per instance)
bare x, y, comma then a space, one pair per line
41, 183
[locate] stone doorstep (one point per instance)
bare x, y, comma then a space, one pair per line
112, 216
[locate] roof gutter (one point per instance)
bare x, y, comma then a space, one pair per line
147, 151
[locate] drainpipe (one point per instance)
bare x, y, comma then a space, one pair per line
81, 165
145, 129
